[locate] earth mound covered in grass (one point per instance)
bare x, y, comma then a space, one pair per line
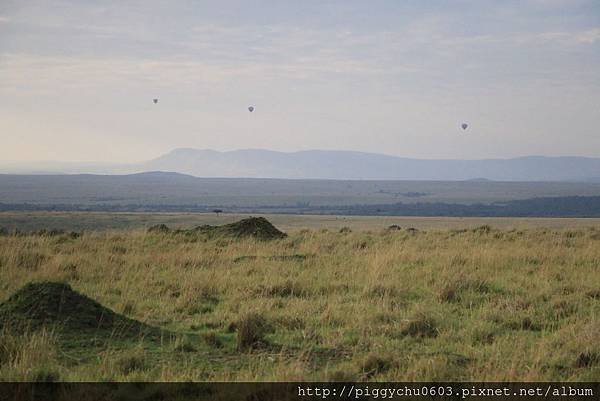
257, 227
252, 227
57, 305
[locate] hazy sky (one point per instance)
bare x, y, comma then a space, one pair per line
396, 77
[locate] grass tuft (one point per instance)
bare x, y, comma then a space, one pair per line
374, 364
251, 331
587, 359
212, 340
130, 362
420, 325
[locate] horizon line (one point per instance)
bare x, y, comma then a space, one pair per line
91, 162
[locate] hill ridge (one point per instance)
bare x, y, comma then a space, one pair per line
335, 165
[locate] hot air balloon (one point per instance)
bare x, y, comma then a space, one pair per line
464, 126
251, 109
155, 101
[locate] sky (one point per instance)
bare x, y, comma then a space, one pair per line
77, 78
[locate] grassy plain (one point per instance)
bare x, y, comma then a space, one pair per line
100, 221
361, 303
177, 189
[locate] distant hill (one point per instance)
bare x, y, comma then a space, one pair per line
319, 164
340, 165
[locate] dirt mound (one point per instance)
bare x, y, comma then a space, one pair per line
257, 227
57, 305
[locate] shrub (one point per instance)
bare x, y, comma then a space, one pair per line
131, 362
342, 375
45, 375
484, 229
159, 228
374, 364
382, 291
449, 293
421, 326
117, 249
251, 330
212, 340
285, 289
587, 359
184, 345
484, 333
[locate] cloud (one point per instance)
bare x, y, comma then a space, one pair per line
214, 55
589, 36
25, 73
559, 3
349, 74
582, 37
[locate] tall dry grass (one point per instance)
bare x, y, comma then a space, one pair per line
477, 304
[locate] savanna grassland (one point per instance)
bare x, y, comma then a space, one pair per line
479, 304
100, 221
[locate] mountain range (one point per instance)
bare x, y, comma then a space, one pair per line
339, 165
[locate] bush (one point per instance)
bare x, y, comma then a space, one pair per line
449, 293
184, 345
342, 375
45, 375
212, 340
374, 364
132, 362
484, 229
251, 330
421, 326
285, 289
159, 228
587, 359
